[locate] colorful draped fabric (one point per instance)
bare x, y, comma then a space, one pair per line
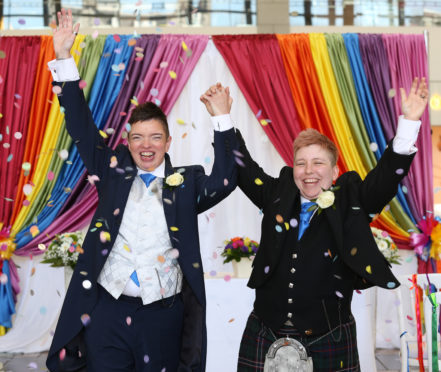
344, 85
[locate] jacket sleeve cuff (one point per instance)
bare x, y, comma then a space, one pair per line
407, 134
222, 123
64, 69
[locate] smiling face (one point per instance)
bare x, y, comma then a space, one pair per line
313, 170
148, 143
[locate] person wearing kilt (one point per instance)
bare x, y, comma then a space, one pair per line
317, 246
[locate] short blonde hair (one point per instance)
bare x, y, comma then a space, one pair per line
311, 136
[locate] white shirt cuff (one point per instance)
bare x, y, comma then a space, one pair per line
406, 136
64, 69
222, 123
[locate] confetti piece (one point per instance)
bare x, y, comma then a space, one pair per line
6, 145
184, 46
82, 84
196, 265
399, 171
32, 365
174, 228
63, 154
293, 222
95, 34
128, 127
85, 319
50, 175
266, 269
87, 284
126, 247
184, 135
264, 122
373, 146
258, 182
279, 218
338, 293
213, 273
22, 21
174, 253
391, 285
225, 182
146, 359
32, 271
409, 317
43, 310
154, 92
26, 203
122, 66
129, 321
172, 74
98, 224
104, 236
227, 278
157, 102
18, 135
3, 278
2, 54
369, 269
180, 121
34, 230
113, 162
286, 226
117, 38
9, 158
41, 247
131, 42
278, 228
391, 93
62, 354
353, 251
92, 179
161, 259
161, 65
404, 188
231, 320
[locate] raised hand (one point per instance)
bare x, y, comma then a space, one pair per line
64, 35
414, 104
217, 100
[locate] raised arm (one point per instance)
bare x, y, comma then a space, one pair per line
79, 121
381, 183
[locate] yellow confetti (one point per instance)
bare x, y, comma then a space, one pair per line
369, 269
174, 228
184, 46
180, 121
133, 102
263, 122
172, 74
286, 226
126, 247
103, 134
196, 265
1, 115
98, 224
258, 182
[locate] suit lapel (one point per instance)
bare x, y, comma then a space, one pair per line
168, 197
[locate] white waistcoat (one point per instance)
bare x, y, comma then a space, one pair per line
143, 244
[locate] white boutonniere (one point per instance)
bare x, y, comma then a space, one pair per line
325, 199
174, 180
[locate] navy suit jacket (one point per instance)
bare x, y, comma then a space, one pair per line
198, 193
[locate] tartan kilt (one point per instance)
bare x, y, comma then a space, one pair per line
327, 354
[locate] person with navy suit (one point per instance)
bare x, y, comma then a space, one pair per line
136, 301
317, 246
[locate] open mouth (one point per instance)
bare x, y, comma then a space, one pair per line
311, 181
147, 155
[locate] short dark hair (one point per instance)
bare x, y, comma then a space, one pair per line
149, 111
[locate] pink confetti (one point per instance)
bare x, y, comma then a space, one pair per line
399, 171
82, 84
92, 179
26, 203
214, 255
117, 38
227, 278
129, 320
116, 212
225, 182
50, 175
85, 319
95, 34
62, 354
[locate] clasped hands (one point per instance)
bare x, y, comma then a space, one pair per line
217, 100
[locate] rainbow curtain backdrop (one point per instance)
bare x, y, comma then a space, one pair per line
340, 84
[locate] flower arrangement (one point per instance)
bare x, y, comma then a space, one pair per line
386, 245
238, 248
427, 243
64, 249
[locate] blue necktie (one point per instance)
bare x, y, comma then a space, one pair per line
147, 178
305, 215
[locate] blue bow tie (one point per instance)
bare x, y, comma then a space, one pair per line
305, 215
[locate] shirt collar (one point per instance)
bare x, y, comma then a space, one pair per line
158, 171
